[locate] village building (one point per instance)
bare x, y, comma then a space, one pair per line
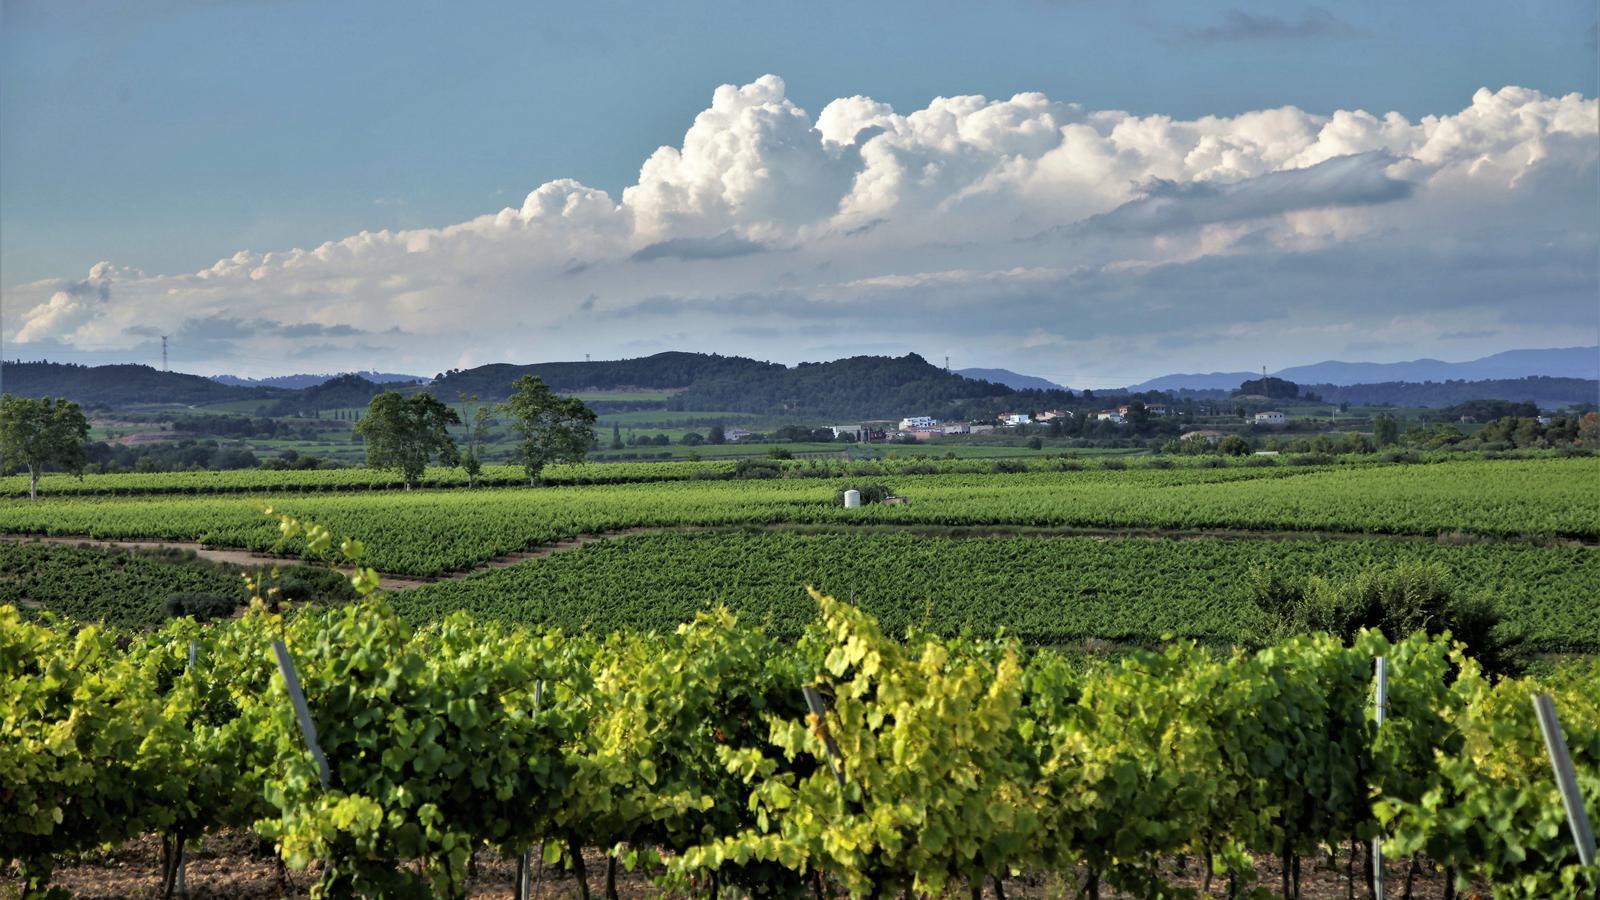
735, 435
1272, 417
1015, 419
912, 423
1203, 434
1112, 416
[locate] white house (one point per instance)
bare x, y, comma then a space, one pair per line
1157, 409
1047, 415
1111, 416
982, 429
1270, 418
735, 435
917, 423
958, 428
1015, 419
1204, 434
852, 430
1543, 420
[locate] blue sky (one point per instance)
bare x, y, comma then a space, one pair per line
165, 136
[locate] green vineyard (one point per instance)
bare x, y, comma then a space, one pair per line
936, 762
424, 533
1047, 591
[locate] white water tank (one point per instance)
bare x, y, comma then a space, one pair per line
852, 499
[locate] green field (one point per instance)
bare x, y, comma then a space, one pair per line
429, 532
121, 588
1044, 591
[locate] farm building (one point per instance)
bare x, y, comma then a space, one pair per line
912, 423
1272, 417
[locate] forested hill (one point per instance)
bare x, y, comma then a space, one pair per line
336, 393
863, 387
659, 372
1547, 393
118, 385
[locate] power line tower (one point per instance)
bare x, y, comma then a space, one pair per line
164, 354
947, 365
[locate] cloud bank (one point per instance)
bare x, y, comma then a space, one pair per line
1093, 247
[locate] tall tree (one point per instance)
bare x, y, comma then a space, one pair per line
39, 433
616, 437
475, 416
1386, 431
405, 433
549, 428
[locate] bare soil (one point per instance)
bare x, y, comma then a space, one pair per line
240, 865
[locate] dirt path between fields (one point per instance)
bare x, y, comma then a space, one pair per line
399, 582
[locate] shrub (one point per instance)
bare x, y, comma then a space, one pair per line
1160, 463
202, 605
1260, 462
1408, 598
1008, 466
1114, 464
870, 493
315, 584
757, 468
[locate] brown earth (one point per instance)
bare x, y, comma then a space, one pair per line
239, 865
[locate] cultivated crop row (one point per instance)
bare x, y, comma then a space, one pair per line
926, 765
1043, 591
431, 532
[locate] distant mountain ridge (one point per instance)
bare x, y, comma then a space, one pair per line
1556, 362
301, 382
1011, 379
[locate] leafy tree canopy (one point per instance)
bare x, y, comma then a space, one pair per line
405, 433
549, 428
39, 433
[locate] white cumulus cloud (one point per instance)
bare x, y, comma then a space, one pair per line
1037, 215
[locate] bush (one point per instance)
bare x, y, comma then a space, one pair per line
315, 584
1114, 464
1008, 466
1398, 602
1310, 459
779, 453
1160, 463
757, 468
202, 605
1233, 445
1212, 462
1260, 462
1399, 456
870, 493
